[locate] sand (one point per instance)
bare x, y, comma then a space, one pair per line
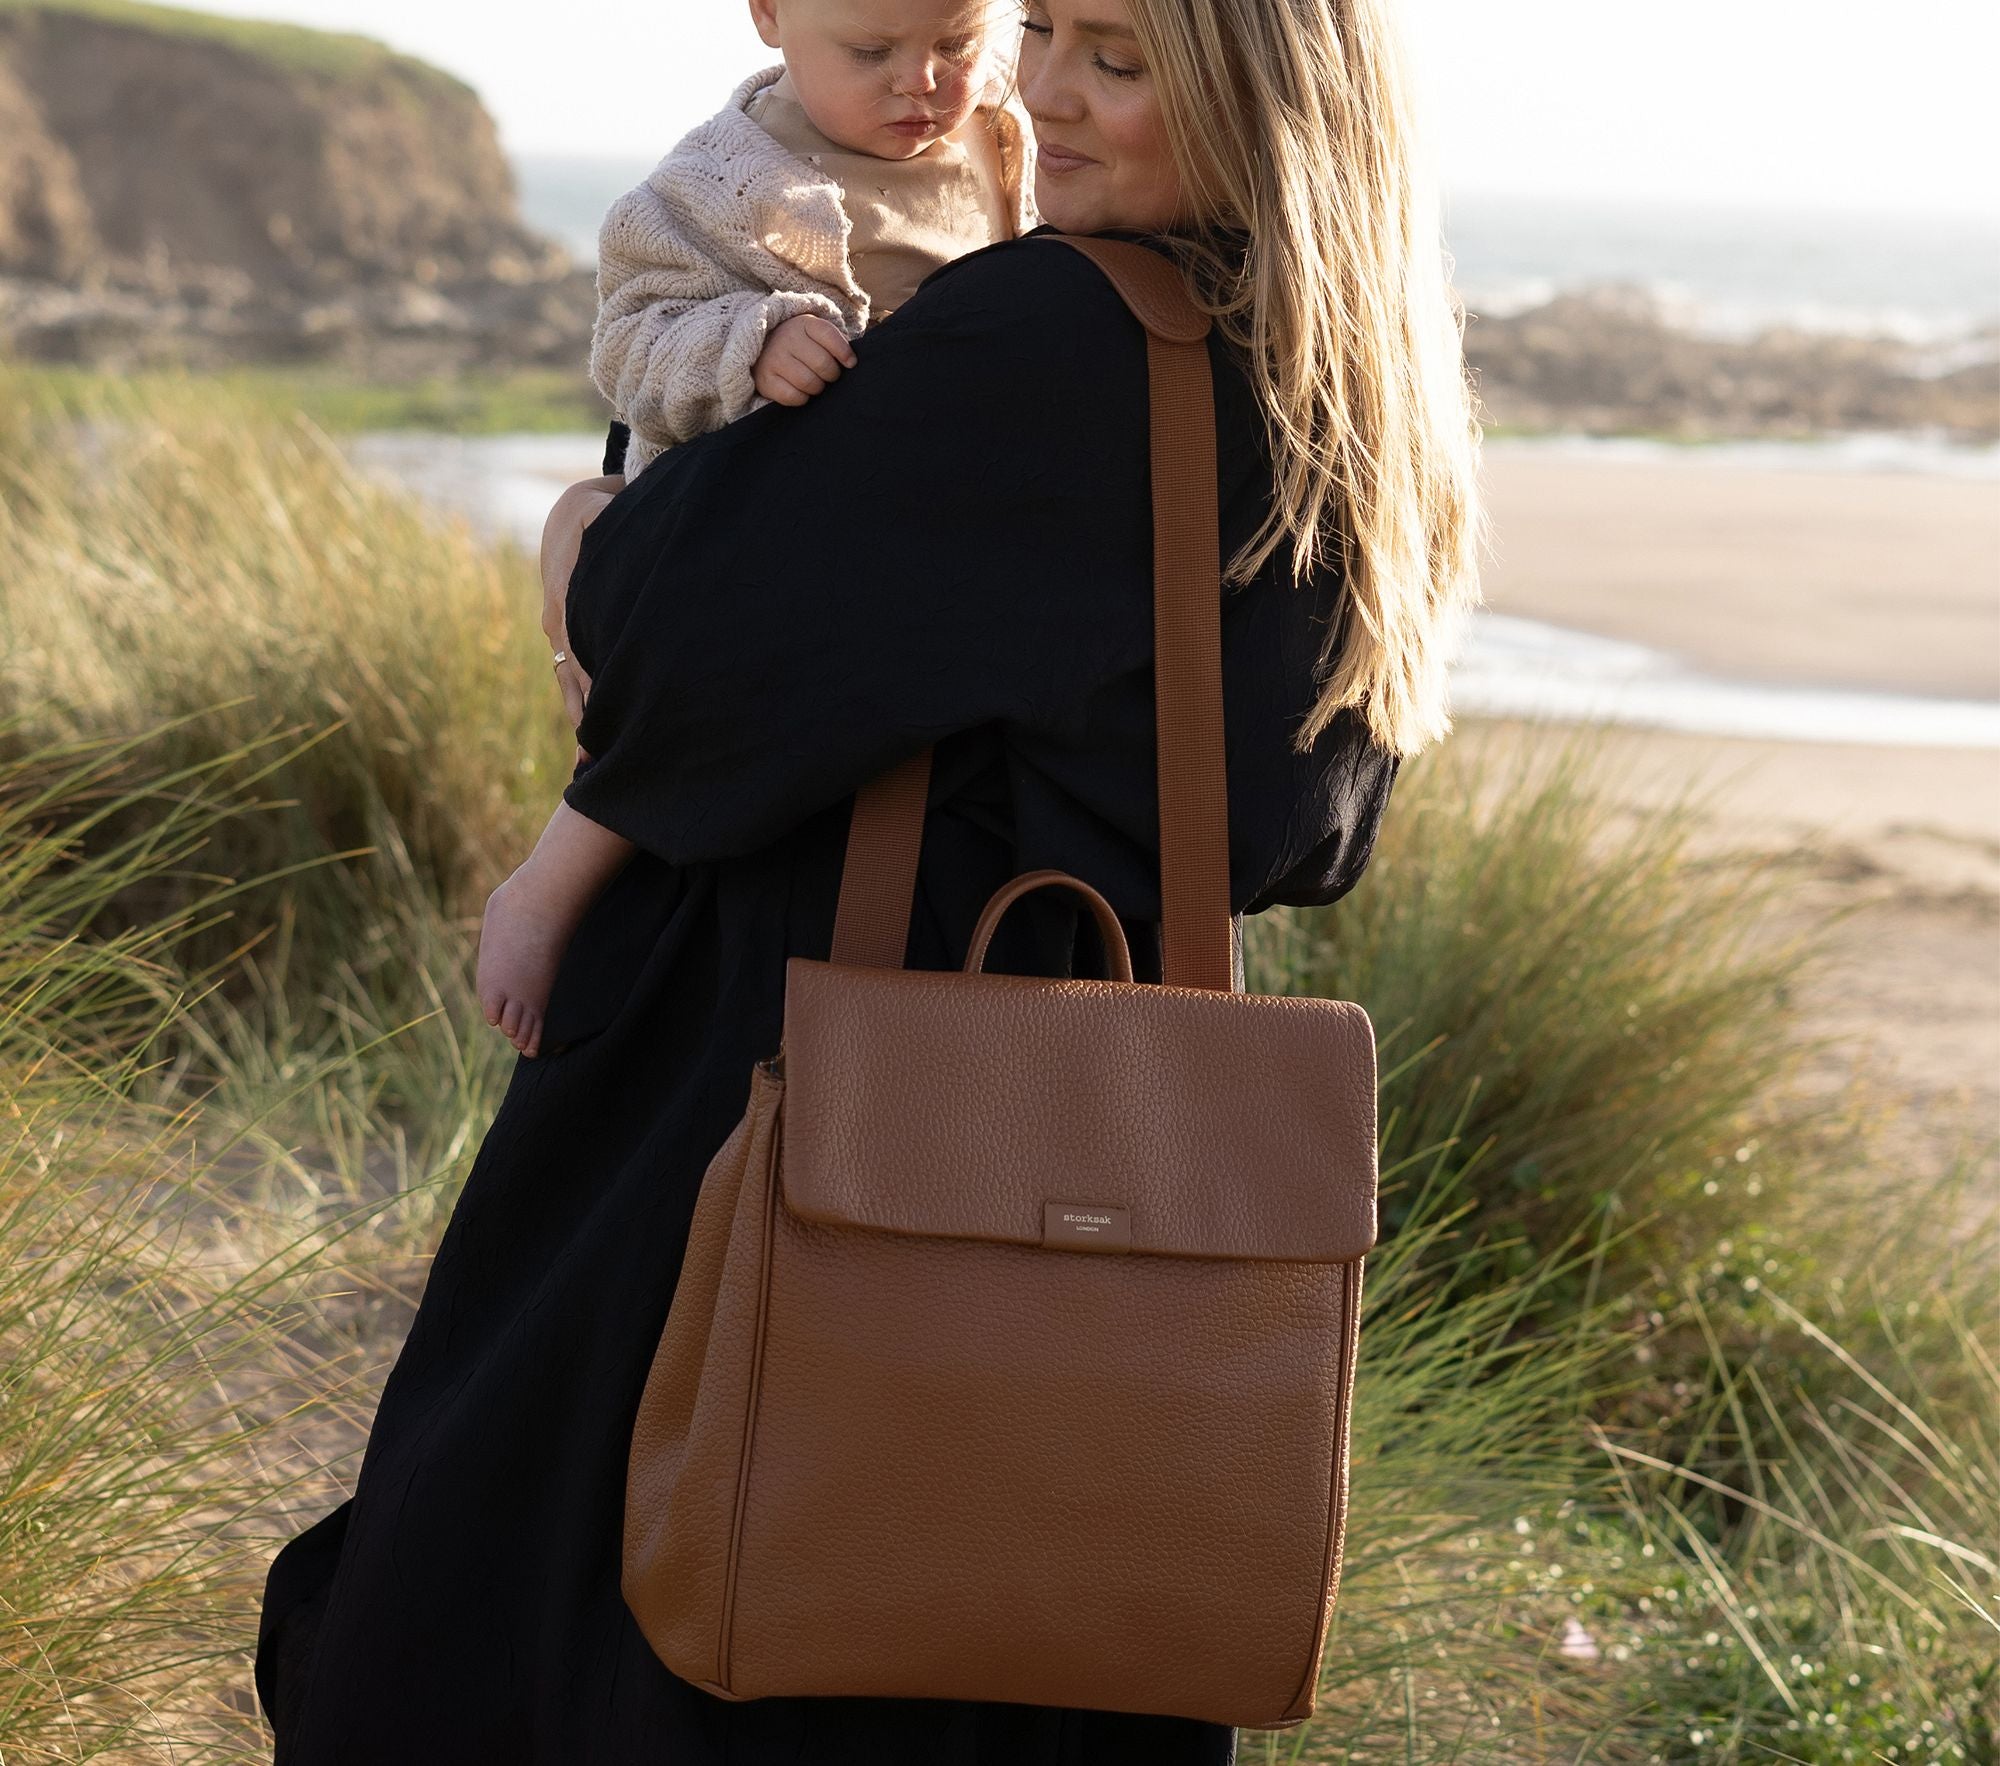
1853, 579
1881, 580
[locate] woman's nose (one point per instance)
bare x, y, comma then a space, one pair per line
1044, 94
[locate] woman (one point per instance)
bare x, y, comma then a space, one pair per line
950, 546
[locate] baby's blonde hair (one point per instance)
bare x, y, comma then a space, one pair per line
1294, 120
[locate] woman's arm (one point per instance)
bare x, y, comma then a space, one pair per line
562, 535
956, 532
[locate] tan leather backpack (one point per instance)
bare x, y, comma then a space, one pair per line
1013, 1351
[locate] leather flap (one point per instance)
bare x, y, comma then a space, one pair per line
1202, 1123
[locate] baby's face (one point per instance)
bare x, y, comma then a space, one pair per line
883, 77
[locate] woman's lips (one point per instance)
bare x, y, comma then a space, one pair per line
1054, 157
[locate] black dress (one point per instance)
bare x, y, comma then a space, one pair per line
949, 546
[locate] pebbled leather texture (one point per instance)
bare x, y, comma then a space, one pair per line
931, 1467
946, 1105
910, 1431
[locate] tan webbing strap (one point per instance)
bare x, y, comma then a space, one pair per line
1187, 621
878, 881
871, 925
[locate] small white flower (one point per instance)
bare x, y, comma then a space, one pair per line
1577, 1644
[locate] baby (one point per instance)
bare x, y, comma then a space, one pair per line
877, 153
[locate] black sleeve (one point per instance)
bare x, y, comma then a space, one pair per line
615, 441
956, 531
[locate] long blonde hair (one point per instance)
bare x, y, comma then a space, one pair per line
1294, 120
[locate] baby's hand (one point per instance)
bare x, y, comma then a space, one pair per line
803, 356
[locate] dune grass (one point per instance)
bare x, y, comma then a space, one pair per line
524, 400
1677, 1432
1742, 1397
156, 1328
232, 580
238, 575
1606, 993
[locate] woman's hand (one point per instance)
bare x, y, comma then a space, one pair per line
562, 536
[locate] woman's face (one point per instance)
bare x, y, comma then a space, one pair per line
1101, 145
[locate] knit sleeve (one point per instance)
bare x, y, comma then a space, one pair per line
679, 328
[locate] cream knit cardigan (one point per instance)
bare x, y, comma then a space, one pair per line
730, 235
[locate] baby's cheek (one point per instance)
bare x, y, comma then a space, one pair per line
960, 90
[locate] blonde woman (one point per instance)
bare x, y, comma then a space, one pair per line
949, 547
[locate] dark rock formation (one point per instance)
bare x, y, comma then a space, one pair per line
45, 228
1606, 361
183, 187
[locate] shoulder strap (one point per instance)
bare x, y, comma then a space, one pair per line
872, 922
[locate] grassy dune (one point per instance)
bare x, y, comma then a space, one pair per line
1678, 1434
165, 1303
542, 401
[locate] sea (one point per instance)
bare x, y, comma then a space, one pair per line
1716, 270
1928, 281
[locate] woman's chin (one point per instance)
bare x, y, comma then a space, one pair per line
1061, 210
1069, 207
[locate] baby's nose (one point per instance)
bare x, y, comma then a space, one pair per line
918, 77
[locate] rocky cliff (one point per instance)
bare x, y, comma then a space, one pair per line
174, 184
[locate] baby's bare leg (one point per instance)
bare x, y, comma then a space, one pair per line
530, 917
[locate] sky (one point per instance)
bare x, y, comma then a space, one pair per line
1819, 104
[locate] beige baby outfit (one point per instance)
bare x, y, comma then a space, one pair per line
756, 217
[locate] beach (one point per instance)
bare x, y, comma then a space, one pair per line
1785, 573
1874, 581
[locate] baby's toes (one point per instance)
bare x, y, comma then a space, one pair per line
510, 1021
531, 1034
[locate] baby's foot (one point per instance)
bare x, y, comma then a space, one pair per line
521, 942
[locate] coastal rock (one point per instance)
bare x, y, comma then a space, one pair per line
45, 225
195, 149
176, 186
1610, 361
